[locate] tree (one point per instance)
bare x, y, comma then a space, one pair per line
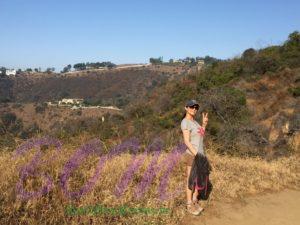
110, 65
2, 71
67, 68
28, 70
79, 66
192, 61
156, 60
19, 71
249, 53
36, 70
210, 60
291, 50
294, 39
50, 70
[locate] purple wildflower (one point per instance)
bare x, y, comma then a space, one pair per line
150, 173
30, 169
83, 152
37, 143
171, 160
135, 165
92, 147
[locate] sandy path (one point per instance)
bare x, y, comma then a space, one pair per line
282, 208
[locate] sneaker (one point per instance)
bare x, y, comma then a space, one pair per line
197, 206
192, 209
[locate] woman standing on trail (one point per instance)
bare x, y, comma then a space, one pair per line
193, 135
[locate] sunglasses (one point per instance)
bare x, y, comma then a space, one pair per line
194, 107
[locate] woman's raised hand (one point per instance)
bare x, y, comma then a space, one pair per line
204, 119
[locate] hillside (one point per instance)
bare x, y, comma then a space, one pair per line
253, 102
274, 109
115, 87
24, 114
252, 142
6, 89
49, 117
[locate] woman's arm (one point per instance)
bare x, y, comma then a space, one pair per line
186, 138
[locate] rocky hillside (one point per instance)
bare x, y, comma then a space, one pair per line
274, 107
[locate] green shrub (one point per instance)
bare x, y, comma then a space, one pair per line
17, 105
249, 53
2, 129
8, 119
4, 99
166, 123
121, 102
34, 129
16, 127
226, 103
295, 91
140, 110
290, 51
179, 93
40, 108
219, 75
7, 141
264, 64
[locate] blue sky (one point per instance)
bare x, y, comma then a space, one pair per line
52, 33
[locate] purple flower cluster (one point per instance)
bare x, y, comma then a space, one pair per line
128, 175
91, 148
152, 169
37, 143
94, 147
132, 143
171, 160
30, 170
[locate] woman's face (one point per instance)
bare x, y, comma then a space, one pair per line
192, 110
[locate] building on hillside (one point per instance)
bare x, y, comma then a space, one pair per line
11, 72
51, 103
200, 64
110, 107
71, 101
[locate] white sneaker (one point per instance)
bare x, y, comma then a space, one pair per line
192, 209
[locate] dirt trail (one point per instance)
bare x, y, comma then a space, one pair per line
282, 208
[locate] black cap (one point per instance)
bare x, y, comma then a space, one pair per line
191, 103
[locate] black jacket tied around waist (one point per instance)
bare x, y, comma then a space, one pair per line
199, 176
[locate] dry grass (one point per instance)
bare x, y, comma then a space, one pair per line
231, 178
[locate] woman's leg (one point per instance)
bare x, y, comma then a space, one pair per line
190, 194
195, 194
188, 191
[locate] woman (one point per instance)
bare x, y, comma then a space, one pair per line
193, 135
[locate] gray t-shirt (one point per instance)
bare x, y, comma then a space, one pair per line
196, 134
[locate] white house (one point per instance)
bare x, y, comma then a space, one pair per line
200, 62
71, 101
10, 72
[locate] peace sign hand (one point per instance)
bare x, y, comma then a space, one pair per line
204, 119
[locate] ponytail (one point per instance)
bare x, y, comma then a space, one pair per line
183, 116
